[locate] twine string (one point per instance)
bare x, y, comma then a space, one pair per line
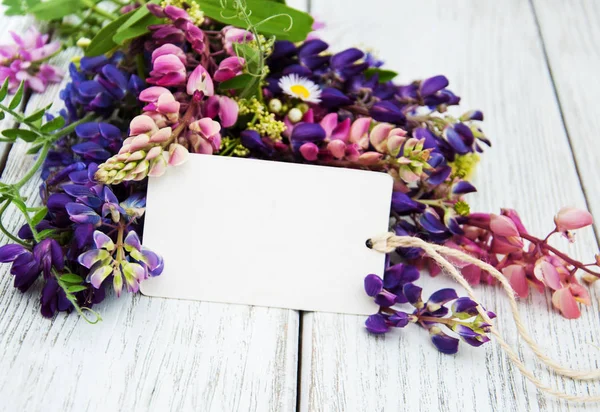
389, 242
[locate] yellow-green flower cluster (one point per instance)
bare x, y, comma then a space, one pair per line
192, 8
233, 147
464, 166
262, 121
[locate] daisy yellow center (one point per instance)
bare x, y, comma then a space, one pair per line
300, 90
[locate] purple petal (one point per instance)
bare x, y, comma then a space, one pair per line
345, 58
444, 343
8, 253
413, 294
465, 305
385, 299
308, 132
433, 85
373, 285
89, 258
133, 240
463, 187
387, 112
439, 298
82, 214
376, 324
399, 319
439, 176
403, 204
102, 241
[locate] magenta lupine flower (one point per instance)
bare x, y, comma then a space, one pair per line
229, 68
24, 61
168, 66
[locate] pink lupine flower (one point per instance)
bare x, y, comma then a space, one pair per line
167, 70
386, 138
234, 35
24, 61
226, 108
200, 81
229, 68
569, 218
204, 136
518, 279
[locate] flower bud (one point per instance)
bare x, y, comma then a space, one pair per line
295, 115
569, 218
275, 105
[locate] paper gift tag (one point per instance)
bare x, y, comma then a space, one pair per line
266, 233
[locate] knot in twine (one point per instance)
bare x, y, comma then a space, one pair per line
388, 242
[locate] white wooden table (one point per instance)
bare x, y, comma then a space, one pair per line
532, 67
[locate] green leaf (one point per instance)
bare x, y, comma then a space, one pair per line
137, 16
35, 149
259, 11
71, 278
4, 89
76, 288
238, 82
16, 100
53, 124
384, 75
26, 135
37, 115
2, 115
56, 9
103, 40
137, 29
46, 233
39, 215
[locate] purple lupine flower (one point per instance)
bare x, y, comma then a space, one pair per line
24, 61
387, 112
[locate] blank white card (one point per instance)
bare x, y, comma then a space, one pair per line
266, 233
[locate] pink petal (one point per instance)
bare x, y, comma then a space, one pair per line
569, 218
328, 123
580, 293
151, 94
228, 111
167, 63
379, 134
369, 158
159, 166
342, 131
142, 124
309, 151
547, 273
503, 226
337, 148
177, 154
518, 279
564, 301
169, 49
359, 131
161, 135
139, 142
200, 80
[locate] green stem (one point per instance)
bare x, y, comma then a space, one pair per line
38, 163
71, 127
71, 297
5, 231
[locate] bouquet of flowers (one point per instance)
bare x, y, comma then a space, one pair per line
157, 81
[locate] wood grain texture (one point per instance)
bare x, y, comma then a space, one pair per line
492, 53
571, 31
147, 354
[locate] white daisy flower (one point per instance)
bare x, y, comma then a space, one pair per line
300, 88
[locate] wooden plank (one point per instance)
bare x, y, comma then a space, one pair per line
571, 32
148, 353
493, 56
